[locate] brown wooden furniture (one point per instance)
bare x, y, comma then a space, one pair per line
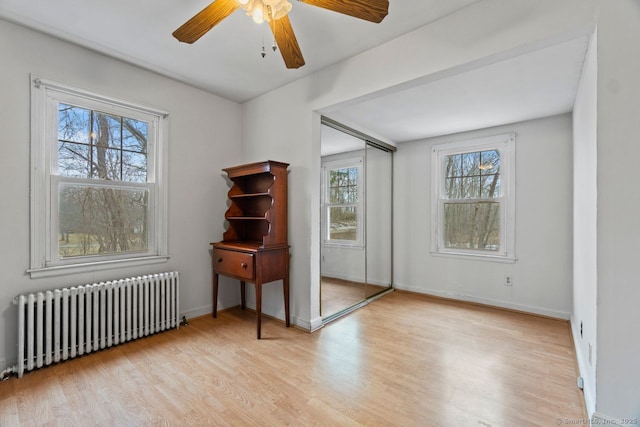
254, 248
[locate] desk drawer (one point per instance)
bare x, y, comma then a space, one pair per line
232, 263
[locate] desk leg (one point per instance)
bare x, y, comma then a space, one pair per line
215, 294
285, 287
243, 299
258, 308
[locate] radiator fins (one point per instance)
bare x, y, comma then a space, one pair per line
65, 323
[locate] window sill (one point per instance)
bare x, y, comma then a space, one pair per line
61, 270
475, 257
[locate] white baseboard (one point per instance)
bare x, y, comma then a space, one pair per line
316, 324
599, 419
346, 277
4, 365
277, 312
486, 301
197, 312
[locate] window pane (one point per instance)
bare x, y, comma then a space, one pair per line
334, 196
74, 160
472, 226
462, 187
338, 178
453, 165
134, 167
470, 164
490, 186
343, 185
343, 221
490, 163
490, 171
106, 130
353, 176
102, 221
73, 124
106, 163
353, 195
134, 135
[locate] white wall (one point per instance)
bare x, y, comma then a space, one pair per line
618, 130
542, 275
285, 125
585, 196
204, 136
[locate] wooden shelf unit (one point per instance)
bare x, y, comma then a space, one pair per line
254, 247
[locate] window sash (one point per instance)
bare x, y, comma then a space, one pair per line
442, 246
330, 222
505, 200
53, 253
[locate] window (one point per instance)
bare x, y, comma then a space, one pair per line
473, 201
98, 198
342, 207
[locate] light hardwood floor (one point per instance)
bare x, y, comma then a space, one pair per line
403, 360
338, 294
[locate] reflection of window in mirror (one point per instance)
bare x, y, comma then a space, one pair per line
342, 202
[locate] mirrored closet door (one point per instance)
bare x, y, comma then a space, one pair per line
356, 202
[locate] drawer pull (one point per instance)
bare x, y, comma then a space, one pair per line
219, 259
243, 265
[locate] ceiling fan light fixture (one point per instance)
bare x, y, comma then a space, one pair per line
279, 8
258, 14
265, 10
276, 13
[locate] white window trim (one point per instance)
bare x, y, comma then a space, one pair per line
45, 94
505, 144
348, 162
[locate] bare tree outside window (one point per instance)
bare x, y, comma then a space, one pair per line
472, 207
101, 211
343, 199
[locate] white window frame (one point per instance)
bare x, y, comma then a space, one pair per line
45, 262
343, 163
505, 145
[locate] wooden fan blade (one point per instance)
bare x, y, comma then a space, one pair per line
369, 10
287, 42
206, 19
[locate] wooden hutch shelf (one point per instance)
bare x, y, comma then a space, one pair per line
254, 248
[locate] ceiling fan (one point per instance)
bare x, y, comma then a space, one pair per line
276, 13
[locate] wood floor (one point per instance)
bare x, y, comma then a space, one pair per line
338, 294
403, 360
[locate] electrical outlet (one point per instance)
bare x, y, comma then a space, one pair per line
508, 280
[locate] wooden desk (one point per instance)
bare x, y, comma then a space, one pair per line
247, 262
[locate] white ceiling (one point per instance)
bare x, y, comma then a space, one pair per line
537, 84
227, 60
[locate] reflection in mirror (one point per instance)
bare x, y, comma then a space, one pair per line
342, 252
356, 203
378, 219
